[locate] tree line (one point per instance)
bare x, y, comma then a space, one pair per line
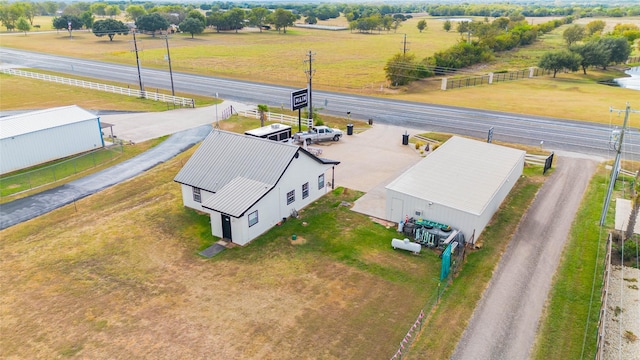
501, 34
588, 46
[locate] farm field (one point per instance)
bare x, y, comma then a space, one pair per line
353, 62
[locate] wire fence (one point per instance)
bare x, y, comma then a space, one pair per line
155, 96
456, 261
24, 181
477, 80
603, 301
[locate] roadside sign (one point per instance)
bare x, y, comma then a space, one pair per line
299, 99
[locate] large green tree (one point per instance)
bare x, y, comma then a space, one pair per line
595, 27
560, 60
282, 19
192, 26
422, 24
87, 19
63, 21
619, 48
135, 11
573, 34
195, 14
152, 23
110, 28
258, 17
593, 53
23, 25
401, 69
235, 18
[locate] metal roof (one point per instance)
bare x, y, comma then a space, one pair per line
21, 124
266, 130
239, 169
463, 174
237, 196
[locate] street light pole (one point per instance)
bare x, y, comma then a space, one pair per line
135, 46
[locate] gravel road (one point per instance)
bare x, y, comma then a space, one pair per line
504, 323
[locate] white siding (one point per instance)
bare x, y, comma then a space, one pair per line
459, 219
26, 150
273, 207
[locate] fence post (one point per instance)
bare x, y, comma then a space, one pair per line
444, 84
490, 78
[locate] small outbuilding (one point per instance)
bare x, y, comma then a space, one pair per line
249, 184
40, 136
460, 184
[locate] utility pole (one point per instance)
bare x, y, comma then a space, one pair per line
135, 46
616, 164
173, 92
404, 46
310, 77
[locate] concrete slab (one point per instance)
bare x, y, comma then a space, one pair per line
212, 250
369, 160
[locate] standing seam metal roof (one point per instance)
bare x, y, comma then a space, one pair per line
237, 196
224, 156
463, 174
21, 124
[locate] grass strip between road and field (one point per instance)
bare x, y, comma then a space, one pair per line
564, 332
450, 318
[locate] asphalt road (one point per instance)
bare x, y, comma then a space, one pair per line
30, 207
557, 134
505, 321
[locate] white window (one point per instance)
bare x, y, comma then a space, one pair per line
253, 218
291, 196
320, 181
305, 190
197, 197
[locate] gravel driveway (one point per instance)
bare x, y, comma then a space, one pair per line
504, 323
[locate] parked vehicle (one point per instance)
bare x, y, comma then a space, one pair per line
318, 133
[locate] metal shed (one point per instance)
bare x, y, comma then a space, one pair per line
36, 137
460, 184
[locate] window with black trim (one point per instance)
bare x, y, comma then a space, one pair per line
253, 218
305, 190
320, 181
291, 196
197, 197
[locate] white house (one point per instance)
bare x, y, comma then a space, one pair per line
248, 184
39, 136
461, 184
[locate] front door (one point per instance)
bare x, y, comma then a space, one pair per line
226, 227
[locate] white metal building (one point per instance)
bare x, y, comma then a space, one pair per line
249, 184
461, 184
37, 137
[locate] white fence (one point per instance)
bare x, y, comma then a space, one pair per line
175, 100
535, 159
282, 118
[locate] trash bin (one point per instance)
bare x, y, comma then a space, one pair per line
405, 139
370, 121
349, 129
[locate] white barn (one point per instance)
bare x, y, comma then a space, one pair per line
248, 184
39, 136
461, 184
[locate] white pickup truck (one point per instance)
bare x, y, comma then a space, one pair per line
318, 133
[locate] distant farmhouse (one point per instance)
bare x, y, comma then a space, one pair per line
248, 184
40, 136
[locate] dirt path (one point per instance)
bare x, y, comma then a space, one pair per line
504, 323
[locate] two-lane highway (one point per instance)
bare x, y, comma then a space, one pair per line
557, 134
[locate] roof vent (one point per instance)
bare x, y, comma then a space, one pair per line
275, 126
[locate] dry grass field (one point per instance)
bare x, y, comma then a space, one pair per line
120, 278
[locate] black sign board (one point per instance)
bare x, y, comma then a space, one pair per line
547, 163
299, 99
